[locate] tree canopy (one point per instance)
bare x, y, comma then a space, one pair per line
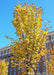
30, 45
3, 67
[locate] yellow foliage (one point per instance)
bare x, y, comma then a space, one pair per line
3, 68
29, 48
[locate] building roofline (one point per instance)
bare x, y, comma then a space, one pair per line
5, 46
50, 32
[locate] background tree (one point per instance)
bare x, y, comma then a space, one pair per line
3, 67
30, 45
50, 63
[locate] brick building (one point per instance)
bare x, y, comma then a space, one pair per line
5, 53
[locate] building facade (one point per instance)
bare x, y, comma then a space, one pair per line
5, 53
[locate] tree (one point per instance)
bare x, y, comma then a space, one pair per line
30, 45
3, 67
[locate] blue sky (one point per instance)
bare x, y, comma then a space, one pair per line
6, 16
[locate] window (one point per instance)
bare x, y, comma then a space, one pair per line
9, 54
10, 69
38, 64
38, 74
38, 70
6, 51
52, 37
48, 52
48, 57
2, 56
8, 65
15, 61
11, 65
52, 42
9, 51
14, 68
47, 43
10, 73
44, 73
9, 61
44, 69
47, 39
19, 63
3, 52
18, 72
8, 58
52, 46
18, 68
47, 48
43, 59
5, 55
49, 74
0, 53
14, 73
43, 64
7, 74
